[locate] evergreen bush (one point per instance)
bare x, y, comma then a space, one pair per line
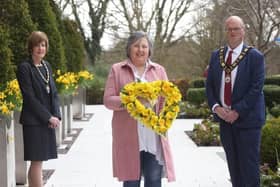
198, 83
74, 47
270, 142
272, 95
72, 40
275, 111
6, 67
16, 16
274, 79
197, 111
45, 19
96, 92
196, 96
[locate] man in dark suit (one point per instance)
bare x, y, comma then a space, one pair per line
234, 90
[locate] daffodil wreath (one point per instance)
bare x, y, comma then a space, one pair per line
151, 91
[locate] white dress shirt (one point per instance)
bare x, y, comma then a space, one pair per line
149, 141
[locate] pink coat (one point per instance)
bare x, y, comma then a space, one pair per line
126, 157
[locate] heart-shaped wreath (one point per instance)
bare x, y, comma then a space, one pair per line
151, 91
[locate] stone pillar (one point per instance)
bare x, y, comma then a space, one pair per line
58, 130
64, 118
21, 165
79, 101
69, 114
7, 152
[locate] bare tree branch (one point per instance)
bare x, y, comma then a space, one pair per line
96, 13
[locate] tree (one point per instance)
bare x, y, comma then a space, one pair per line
166, 20
209, 31
42, 14
262, 18
6, 68
13, 14
72, 40
96, 12
263, 21
74, 47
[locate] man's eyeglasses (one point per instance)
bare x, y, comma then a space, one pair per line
236, 29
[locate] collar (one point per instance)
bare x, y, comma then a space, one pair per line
128, 63
236, 50
241, 55
30, 61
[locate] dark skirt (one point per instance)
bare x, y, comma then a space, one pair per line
39, 143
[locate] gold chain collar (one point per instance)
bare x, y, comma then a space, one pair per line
229, 68
46, 80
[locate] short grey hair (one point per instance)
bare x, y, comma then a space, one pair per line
136, 36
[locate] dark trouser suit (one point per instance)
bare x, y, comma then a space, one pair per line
151, 171
242, 147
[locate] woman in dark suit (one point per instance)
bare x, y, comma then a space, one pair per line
40, 113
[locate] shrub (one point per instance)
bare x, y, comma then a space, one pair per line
196, 96
269, 178
16, 15
74, 47
197, 111
206, 134
6, 68
198, 83
274, 80
272, 95
43, 15
270, 142
96, 92
275, 111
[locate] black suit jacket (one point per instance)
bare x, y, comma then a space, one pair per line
37, 108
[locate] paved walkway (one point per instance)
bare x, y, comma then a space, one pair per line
88, 162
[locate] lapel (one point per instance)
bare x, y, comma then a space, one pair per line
220, 70
238, 77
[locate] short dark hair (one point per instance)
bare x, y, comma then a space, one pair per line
35, 38
136, 36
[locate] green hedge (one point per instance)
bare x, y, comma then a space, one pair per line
272, 95
43, 16
270, 142
196, 96
275, 111
198, 83
274, 79
199, 112
96, 92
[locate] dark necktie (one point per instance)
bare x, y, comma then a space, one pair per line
227, 93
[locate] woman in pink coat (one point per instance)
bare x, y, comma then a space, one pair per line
137, 150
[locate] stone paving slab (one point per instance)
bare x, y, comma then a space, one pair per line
88, 163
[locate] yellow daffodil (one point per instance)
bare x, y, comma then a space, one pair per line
10, 97
67, 83
151, 91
